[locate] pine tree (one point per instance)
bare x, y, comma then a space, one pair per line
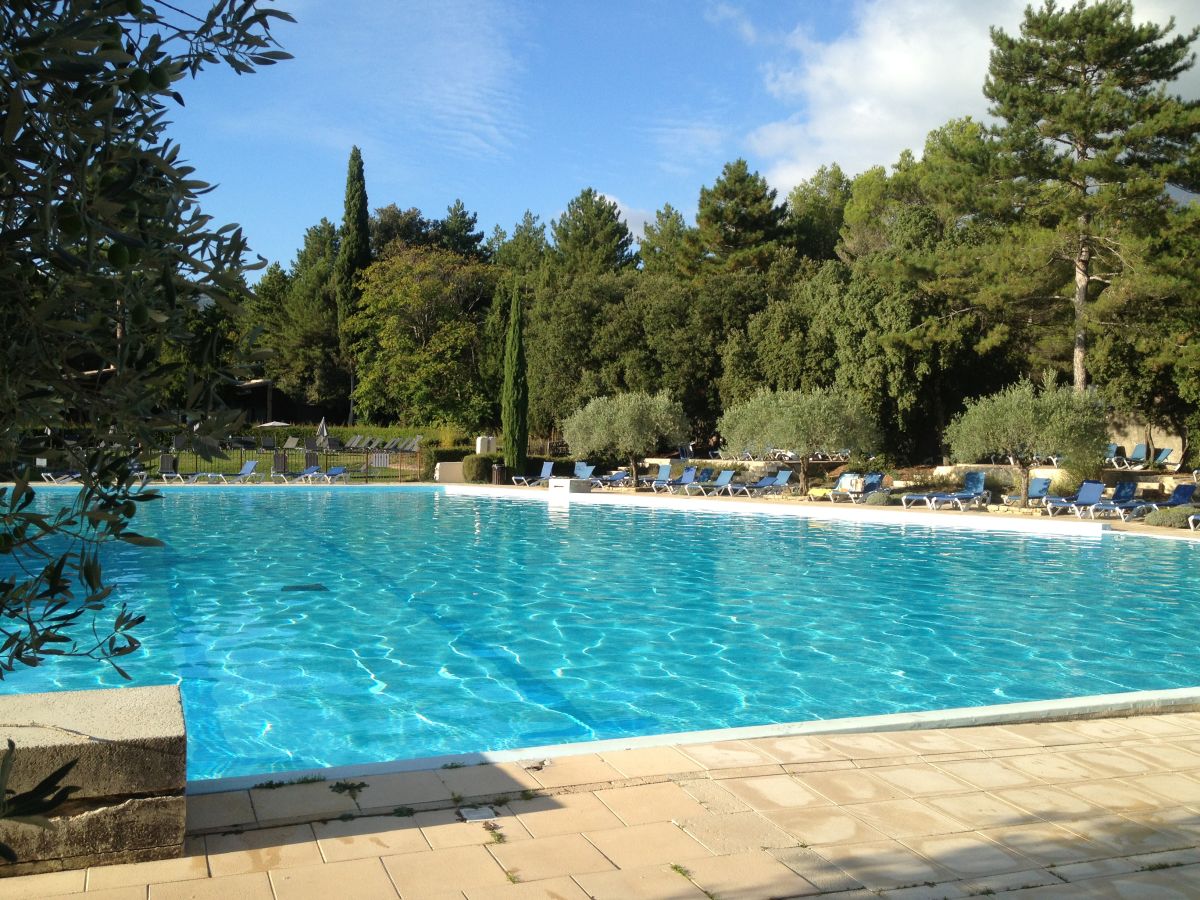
1091, 140
738, 223
514, 403
457, 233
590, 237
354, 255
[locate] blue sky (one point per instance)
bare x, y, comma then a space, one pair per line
517, 104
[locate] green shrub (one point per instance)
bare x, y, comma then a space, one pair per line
1065, 484
878, 498
1171, 517
431, 456
477, 468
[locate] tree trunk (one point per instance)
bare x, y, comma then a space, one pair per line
1023, 478
633, 472
1082, 273
802, 487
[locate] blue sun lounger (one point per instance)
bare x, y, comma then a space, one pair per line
1090, 493
856, 488
542, 477
714, 487
1038, 489
616, 479
1121, 502
686, 477
1135, 459
972, 492
1181, 496
734, 489
244, 475
664, 474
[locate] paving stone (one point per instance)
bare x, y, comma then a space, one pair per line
797, 749
1051, 767
1046, 844
905, 818
643, 846
1109, 763
728, 755
751, 875
824, 825
32, 887
1116, 795
646, 761
815, 869
424, 873
968, 854
713, 797
1051, 803
850, 786
401, 789
1126, 837
774, 792
883, 865
192, 865
368, 836
1174, 787
664, 802
947, 890
492, 780
865, 746
981, 810
300, 802
564, 814
736, 832
248, 886
262, 849
921, 780
117, 893
445, 828
568, 854
576, 770
988, 774
931, 741
993, 737
654, 883
1011, 881
362, 879
548, 889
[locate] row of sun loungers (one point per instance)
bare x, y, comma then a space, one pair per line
248, 474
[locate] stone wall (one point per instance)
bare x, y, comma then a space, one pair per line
131, 770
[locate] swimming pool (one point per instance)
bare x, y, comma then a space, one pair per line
331, 626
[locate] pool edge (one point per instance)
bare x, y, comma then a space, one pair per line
1131, 703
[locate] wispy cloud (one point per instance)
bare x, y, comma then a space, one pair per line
735, 16
685, 145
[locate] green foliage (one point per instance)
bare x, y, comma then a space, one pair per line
477, 467
417, 337
668, 246
1022, 420
803, 422
514, 402
590, 238
105, 259
816, 210
627, 426
1171, 516
738, 224
354, 249
434, 455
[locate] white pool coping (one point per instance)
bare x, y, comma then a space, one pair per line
1132, 703
1066, 525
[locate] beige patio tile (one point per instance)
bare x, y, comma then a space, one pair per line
728, 755
832, 765
1117, 795
797, 749
445, 828
645, 761
368, 836
1097, 868
225, 810
300, 802
130, 892
425, 873
1126, 837
1099, 729
850, 786
362, 879
263, 849
752, 874
491, 780
568, 854
1051, 767
1177, 884
884, 864
644, 803
865, 746
815, 869
905, 818
192, 865
1045, 843
574, 770
1174, 787
654, 883
1157, 725
968, 854
988, 774
736, 832
713, 796
640, 846
746, 772
549, 889
1110, 762
1180, 819
774, 792
877, 762
931, 741
248, 886
401, 789
1163, 756
1052, 803
993, 737
32, 887
981, 810
1045, 734
987, 885
564, 814
824, 825
948, 890
921, 780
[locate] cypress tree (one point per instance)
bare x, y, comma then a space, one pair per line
514, 401
354, 255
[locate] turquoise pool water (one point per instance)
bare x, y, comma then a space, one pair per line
326, 626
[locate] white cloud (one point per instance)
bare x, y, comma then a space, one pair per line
635, 219
903, 68
687, 144
721, 13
